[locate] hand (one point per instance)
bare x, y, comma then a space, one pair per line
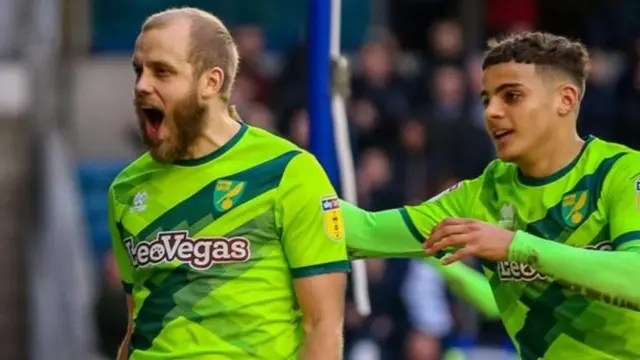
472, 237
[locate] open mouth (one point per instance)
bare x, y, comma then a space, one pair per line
153, 117
501, 134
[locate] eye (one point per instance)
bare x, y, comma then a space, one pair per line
485, 102
137, 70
511, 97
162, 72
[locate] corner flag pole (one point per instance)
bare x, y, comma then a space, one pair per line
329, 133
341, 85
319, 87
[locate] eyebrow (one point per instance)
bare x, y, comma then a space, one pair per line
155, 63
501, 87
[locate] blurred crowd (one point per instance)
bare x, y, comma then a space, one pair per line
417, 127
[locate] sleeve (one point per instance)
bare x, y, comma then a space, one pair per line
125, 266
470, 285
614, 282
401, 232
456, 201
623, 201
309, 214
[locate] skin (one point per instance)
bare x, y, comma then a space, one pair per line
197, 122
540, 109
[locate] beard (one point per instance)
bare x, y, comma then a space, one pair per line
182, 129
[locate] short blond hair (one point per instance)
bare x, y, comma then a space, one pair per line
211, 43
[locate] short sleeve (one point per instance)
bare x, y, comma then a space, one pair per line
456, 201
308, 212
623, 201
125, 266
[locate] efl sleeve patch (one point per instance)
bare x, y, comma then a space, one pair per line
332, 218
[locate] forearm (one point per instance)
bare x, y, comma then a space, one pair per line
322, 342
123, 351
470, 285
608, 275
382, 234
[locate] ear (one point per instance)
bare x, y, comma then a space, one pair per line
569, 96
211, 82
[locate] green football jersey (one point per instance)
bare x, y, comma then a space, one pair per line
593, 203
209, 248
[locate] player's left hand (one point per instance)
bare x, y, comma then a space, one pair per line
471, 238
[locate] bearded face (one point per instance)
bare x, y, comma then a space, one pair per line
169, 132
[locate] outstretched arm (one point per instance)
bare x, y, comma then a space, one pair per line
382, 234
400, 232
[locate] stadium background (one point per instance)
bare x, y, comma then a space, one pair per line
67, 127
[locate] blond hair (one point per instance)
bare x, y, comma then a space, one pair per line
211, 43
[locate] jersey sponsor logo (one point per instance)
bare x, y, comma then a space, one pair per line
574, 208
332, 217
139, 202
200, 254
227, 194
515, 271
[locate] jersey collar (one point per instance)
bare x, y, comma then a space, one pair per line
531, 181
218, 152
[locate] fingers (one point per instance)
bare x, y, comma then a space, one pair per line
447, 228
456, 240
457, 256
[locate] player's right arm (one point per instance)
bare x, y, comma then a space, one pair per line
125, 267
123, 351
401, 232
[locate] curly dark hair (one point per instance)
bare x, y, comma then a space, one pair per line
546, 51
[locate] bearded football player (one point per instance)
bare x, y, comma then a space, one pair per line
229, 239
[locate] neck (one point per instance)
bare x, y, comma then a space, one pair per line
219, 129
552, 156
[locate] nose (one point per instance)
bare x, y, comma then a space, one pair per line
493, 110
144, 85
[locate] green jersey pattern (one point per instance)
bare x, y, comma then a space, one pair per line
593, 203
209, 248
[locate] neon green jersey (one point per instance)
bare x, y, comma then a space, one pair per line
209, 248
593, 203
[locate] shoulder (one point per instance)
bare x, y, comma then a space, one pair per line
615, 159
274, 147
499, 168
259, 139
497, 171
133, 174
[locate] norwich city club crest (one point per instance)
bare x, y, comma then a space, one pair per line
332, 218
574, 208
227, 194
